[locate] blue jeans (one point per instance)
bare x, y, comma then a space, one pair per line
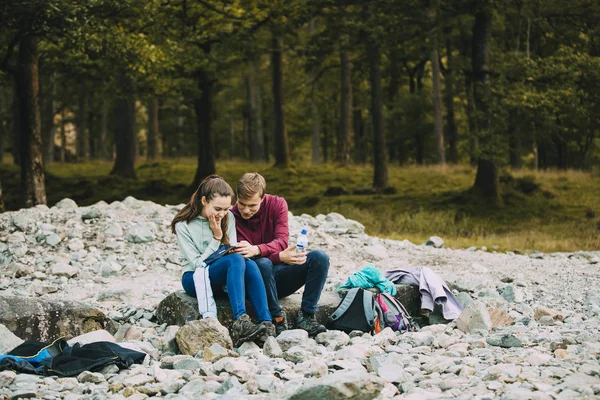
237, 274
284, 279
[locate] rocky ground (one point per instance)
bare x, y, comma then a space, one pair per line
122, 259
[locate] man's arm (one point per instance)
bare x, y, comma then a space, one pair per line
280, 234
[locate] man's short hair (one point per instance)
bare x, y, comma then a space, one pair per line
250, 184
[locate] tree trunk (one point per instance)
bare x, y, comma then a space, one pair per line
437, 109
63, 136
124, 117
256, 138
419, 135
103, 148
33, 190
92, 142
343, 142
487, 179
206, 141
359, 133
16, 132
282, 150
514, 142
152, 129
451, 133
316, 130
2, 126
81, 141
380, 173
1, 199
47, 98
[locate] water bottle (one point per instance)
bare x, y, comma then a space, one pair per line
302, 242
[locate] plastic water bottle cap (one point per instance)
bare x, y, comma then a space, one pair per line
303, 232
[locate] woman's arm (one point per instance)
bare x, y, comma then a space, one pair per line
193, 254
231, 232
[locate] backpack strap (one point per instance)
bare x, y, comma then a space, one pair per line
345, 304
368, 307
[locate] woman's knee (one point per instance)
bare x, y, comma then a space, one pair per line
237, 262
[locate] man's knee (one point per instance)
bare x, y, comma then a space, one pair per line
318, 259
265, 266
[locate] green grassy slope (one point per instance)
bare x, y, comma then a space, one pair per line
546, 211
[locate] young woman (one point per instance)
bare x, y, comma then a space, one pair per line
205, 230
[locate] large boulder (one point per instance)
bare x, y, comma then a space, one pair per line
196, 335
33, 319
358, 385
178, 307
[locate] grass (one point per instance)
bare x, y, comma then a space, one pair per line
544, 211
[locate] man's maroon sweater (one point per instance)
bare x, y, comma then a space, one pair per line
267, 229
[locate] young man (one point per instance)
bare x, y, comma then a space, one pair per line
261, 221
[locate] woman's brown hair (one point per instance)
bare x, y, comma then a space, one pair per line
211, 187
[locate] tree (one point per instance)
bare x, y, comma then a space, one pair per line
487, 179
282, 149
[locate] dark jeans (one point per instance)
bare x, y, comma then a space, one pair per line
284, 279
238, 275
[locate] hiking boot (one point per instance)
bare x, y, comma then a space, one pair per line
309, 323
269, 331
244, 330
280, 323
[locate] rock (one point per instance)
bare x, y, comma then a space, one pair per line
215, 352
8, 340
464, 299
248, 349
389, 367
43, 320
196, 335
542, 311
114, 230
500, 318
139, 234
90, 377
292, 337
435, 241
474, 317
238, 367
506, 341
66, 204
376, 252
341, 385
511, 293
62, 269
271, 348
94, 336
53, 239
333, 339
75, 244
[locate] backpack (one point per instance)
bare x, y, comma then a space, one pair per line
358, 310
394, 314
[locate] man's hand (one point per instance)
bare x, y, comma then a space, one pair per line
246, 249
289, 256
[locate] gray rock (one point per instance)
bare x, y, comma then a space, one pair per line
435, 241
90, 377
511, 293
389, 367
36, 319
376, 252
292, 337
114, 230
62, 269
333, 339
464, 299
6, 377
271, 348
139, 234
341, 385
197, 335
215, 352
187, 363
66, 204
75, 244
53, 239
475, 316
238, 367
248, 349
506, 341
90, 213
8, 340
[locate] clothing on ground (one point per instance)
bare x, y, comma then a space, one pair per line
58, 358
432, 287
369, 277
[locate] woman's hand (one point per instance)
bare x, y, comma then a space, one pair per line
215, 226
289, 256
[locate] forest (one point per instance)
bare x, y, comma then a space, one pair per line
496, 85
